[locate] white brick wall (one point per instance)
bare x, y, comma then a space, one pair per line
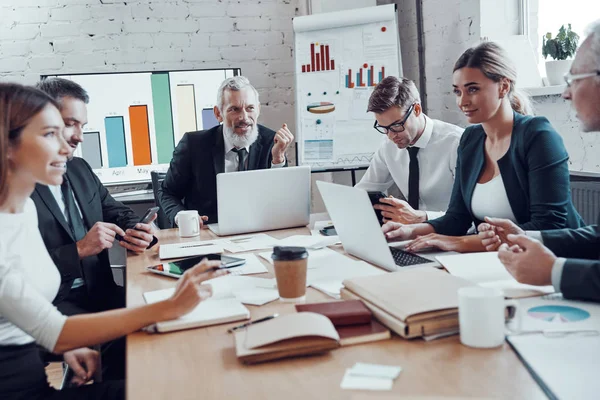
62, 36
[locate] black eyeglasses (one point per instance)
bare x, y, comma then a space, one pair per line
397, 126
570, 78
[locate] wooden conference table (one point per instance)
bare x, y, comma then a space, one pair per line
201, 363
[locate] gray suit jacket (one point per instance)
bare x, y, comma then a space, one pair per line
581, 273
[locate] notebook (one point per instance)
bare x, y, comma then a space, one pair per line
485, 269
349, 312
352, 319
187, 249
290, 335
412, 303
212, 311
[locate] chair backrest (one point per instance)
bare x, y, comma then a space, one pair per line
161, 220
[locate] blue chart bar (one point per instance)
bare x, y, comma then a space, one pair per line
380, 76
115, 141
208, 118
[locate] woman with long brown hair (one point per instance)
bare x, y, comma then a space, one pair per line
510, 164
33, 150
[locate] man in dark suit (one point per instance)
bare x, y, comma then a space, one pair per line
238, 144
569, 259
79, 219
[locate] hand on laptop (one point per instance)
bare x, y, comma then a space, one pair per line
460, 244
395, 231
400, 211
283, 138
493, 232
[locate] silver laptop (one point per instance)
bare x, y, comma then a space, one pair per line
262, 200
356, 224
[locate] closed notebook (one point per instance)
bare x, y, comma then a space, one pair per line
413, 303
290, 335
363, 333
212, 311
348, 312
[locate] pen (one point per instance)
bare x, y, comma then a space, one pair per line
195, 245
235, 328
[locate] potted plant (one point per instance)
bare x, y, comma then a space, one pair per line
560, 48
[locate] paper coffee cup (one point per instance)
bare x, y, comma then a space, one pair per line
290, 265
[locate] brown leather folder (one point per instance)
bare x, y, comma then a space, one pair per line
413, 303
348, 312
290, 335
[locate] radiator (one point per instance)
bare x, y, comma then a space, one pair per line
586, 198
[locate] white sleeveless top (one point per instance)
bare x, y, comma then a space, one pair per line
490, 200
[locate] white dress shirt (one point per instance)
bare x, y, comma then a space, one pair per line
437, 164
232, 158
58, 196
29, 281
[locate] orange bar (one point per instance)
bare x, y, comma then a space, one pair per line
140, 135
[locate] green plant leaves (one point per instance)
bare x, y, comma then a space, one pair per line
562, 46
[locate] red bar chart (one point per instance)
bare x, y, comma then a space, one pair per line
320, 59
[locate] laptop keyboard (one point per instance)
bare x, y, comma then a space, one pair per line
403, 258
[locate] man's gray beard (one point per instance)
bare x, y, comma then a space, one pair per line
240, 141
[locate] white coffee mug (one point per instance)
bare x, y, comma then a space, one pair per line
482, 316
188, 222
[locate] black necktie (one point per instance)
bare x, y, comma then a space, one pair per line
413, 178
74, 219
242, 157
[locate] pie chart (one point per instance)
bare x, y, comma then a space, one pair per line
322, 107
559, 314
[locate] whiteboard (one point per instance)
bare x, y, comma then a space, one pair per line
339, 58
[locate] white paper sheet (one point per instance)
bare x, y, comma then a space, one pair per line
365, 383
376, 370
485, 269
252, 266
316, 258
242, 243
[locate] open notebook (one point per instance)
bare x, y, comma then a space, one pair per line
212, 311
485, 269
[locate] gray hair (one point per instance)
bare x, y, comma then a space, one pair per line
234, 83
593, 33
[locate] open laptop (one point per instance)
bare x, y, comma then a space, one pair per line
356, 224
262, 200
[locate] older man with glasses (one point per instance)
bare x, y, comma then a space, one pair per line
566, 258
419, 156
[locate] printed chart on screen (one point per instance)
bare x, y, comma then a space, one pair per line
136, 119
340, 57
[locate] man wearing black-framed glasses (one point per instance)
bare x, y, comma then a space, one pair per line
569, 259
419, 156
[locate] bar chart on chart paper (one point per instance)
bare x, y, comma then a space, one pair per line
364, 76
135, 120
320, 59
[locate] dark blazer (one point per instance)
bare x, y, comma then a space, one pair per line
581, 272
96, 204
191, 181
535, 172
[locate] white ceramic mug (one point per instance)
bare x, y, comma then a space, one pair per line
482, 316
188, 222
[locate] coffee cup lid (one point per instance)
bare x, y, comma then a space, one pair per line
288, 253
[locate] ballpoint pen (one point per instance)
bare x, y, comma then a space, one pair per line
235, 328
196, 245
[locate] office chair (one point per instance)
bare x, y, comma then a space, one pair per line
161, 220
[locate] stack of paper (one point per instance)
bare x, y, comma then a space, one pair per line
246, 289
252, 266
364, 376
485, 269
328, 279
242, 243
188, 249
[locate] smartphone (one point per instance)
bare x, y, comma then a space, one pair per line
328, 231
177, 268
148, 215
374, 197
